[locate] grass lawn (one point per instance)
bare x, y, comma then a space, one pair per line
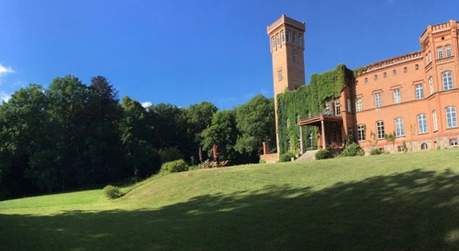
390, 202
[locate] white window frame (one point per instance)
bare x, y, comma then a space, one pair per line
422, 123
399, 127
397, 96
377, 99
380, 133
449, 51
419, 91
337, 108
447, 78
359, 105
451, 117
440, 52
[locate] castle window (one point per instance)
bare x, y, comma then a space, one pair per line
440, 52
385, 75
431, 86
422, 123
279, 75
380, 129
282, 36
289, 35
394, 72
416, 66
449, 52
361, 132
405, 69
376, 77
399, 127
377, 99
447, 80
337, 108
435, 121
451, 117
419, 91
358, 105
397, 96
366, 80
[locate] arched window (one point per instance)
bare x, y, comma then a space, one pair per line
431, 85
422, 123
447, 78
424, 146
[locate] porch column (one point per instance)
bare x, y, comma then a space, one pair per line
322, 125
301, 140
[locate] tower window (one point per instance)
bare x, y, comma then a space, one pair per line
359, 105
377, 99
394, 72
447, 80
385, 75
416, 66
419, 91
279, 75
397, 96
431, 85
449, 52
405, 69
440, 52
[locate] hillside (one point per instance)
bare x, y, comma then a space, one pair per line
391, 202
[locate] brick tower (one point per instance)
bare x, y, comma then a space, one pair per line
286, 37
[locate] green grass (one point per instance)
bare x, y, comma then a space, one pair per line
389, 202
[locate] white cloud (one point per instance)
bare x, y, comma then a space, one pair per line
5, 70
147, 104
5, 97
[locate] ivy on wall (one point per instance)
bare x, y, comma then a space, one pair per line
305, 102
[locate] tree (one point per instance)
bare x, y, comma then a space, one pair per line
199, 117
223, 133
255, 123
136, 132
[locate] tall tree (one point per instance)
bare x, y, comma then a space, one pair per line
255, 123
223, 133
136, 134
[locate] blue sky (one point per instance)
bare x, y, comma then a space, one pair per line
185, 52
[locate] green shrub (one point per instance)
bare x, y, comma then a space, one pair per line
376, 151
112, 192
324, 154
285, 157
174, 166
352, 149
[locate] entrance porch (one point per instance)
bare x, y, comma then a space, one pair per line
330, 131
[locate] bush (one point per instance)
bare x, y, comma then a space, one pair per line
324, 154
376, 151
285, 157
174, 166
112, 192
352, 149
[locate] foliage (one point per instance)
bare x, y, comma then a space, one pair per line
174, 166
285, 157
376, 151
390, 137
169, 154
324, 154
223, 133
352, 149
255, 124
112, 192
308, 101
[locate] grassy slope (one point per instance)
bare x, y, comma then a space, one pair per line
393, 202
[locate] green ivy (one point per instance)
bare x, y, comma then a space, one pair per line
307, 101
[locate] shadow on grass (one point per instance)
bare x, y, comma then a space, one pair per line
416, 210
